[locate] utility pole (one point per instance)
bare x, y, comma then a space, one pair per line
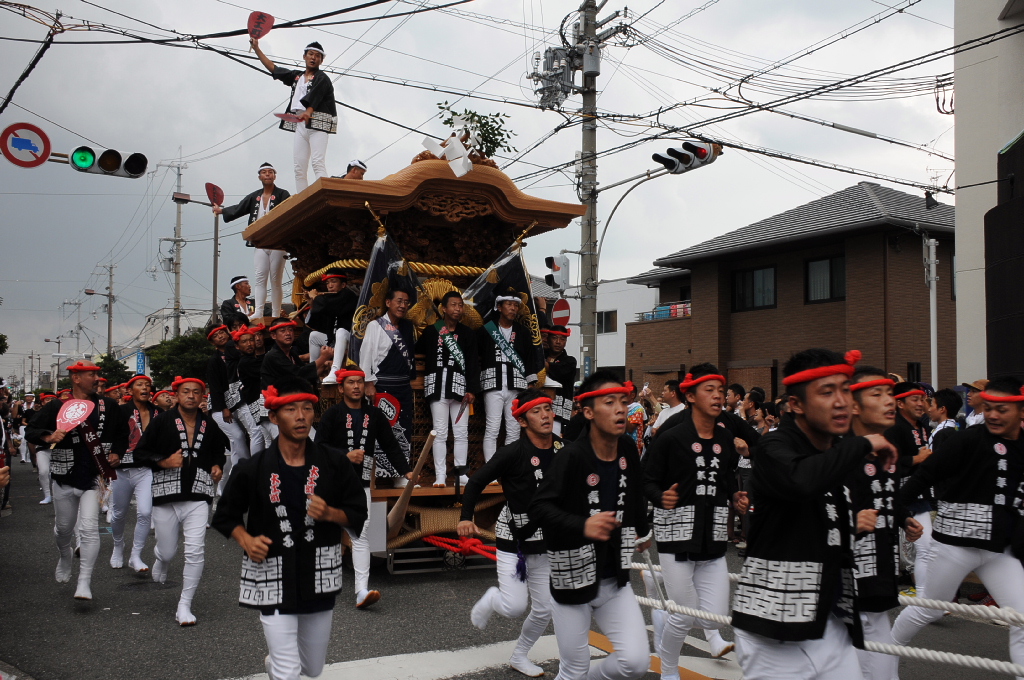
178, 244
110, 310
78, 324
588, 184
932, 279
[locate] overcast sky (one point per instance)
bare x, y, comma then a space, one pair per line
59, 225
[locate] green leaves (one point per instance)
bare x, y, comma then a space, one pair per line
185, 355
489, 128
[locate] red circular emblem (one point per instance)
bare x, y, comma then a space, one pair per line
891, 469
696, 447
622, 463
593, 479
535, 461
870, 470
717, 448
721, 424
1000, 448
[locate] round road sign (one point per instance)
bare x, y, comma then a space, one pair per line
560, 313
25, 145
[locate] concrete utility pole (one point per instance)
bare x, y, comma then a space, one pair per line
178, 244
78, 324
110, 309
932, 279
588, 183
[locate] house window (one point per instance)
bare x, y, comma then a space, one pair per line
913, 371
826, 279
607, 322
753, 289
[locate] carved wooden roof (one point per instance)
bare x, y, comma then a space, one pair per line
428, 188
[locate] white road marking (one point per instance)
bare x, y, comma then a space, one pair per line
435, 665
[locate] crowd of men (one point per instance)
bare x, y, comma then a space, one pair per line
844, 485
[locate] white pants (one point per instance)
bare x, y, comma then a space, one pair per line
498, 405
361, 552
922, 550
137, 481
297, 644
874, 665
698, 585
73, 506
43, 464
514, 595
1001, 573
442, 412
189, 518
318, 340
252, 428
268, 264
309, 145
239, 445
617, 613
23, 447
831, 657
270, 431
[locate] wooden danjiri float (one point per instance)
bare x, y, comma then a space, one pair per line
449, 230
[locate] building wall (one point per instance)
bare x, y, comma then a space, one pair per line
885, 315
989, 92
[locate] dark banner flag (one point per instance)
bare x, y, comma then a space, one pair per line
386, 271
507, 276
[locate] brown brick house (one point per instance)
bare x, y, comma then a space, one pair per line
845, 272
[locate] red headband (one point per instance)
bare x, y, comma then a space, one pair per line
566, 334
109, 389
283, 324
334, 276
214, 330
518, 410
178, 381
999, 398
273, 402
852, 357
237, 335
45, 395
258, 328
872, 383
689, 381
623, 389
911, 393
126, 398
138, 377
161, 392
83, 366
343, 373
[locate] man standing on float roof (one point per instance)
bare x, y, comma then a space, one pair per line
267, 264
312, 102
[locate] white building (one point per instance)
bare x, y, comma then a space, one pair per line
989, 114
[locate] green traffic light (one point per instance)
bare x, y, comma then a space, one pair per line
83, 158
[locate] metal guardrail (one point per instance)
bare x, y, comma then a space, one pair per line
666, 310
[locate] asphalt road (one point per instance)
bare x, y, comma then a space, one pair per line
128, 630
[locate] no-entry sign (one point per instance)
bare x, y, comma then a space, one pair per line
25, 145
560, 313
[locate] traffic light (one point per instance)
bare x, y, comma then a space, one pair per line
110, 162
690, 156
558, 279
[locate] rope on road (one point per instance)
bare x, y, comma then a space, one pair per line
462, 546
974, 612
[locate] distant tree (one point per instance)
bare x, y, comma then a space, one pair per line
65, 384
113, 370
185, 355
3, 344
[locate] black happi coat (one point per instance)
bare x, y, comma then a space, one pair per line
319, 95
250, 205
333, 431
277, 365
562, 505
443, 378
798, 568
247, 369
980, 476
737, 426
225, 393
521, 470
907, 439
877, 553
191, 482
231, 306
698, 526
71, 464
331, 311
306, 570
134, 421
563, 369
494, 363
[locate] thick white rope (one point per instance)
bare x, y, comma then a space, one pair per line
896, 650
974, 612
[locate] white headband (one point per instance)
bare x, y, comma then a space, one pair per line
266, 166
315, 49
506, 298
238, 281
357, 164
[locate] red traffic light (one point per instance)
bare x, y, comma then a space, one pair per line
701, 152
